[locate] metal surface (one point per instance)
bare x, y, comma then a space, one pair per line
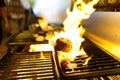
24, 37
103, 29
114, 77
27, 66
101, 64
105, 25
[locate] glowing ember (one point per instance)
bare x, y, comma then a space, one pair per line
73, 29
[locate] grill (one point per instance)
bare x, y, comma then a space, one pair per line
17, 64
24, 37
27, 66
20, 64
101, 64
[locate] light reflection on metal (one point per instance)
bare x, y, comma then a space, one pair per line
111, 48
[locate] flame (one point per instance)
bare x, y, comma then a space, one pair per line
87, 60
42, 55
27, 79
43, 24
40, 47
73, 29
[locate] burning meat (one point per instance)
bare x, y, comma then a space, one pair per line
63, 44
66, 64
67, 43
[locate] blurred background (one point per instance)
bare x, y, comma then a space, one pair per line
22, 13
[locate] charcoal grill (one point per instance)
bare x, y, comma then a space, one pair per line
27, 66
101, 64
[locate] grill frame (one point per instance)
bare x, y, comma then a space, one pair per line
25, 70
65, 76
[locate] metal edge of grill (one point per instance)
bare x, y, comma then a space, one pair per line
72, 76
13, 36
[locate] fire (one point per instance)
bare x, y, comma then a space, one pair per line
42, 55
73, 29
43, 24
40, 47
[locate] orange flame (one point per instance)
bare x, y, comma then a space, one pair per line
43, 24
42, 55
40, 47
73, 29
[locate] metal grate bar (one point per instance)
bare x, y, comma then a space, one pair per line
101, 64
27, 66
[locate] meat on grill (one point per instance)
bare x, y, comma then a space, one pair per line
66, 64
63, 44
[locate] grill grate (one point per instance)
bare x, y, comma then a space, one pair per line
114, 77
101, 64
27, 66
23, 37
